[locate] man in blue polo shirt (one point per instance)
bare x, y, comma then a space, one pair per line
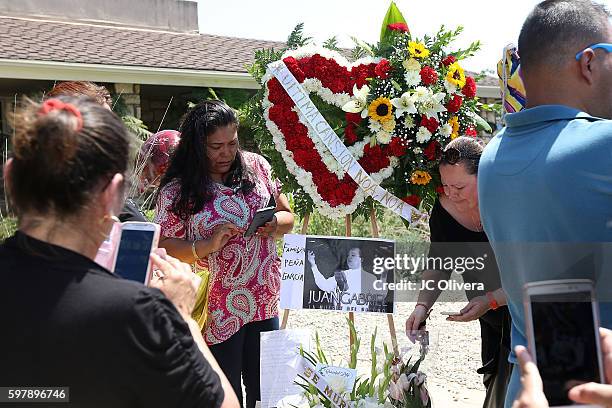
545, 181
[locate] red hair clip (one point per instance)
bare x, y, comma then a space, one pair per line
55, 104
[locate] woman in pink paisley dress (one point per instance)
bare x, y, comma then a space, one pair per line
207, 199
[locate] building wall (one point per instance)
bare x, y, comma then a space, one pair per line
173, 15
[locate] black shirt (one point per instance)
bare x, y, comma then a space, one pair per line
451, 239
130, 212
116, 343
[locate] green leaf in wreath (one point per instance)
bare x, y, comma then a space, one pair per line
481, 124
394, 15
363, 46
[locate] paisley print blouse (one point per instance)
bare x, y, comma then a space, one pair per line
245, 273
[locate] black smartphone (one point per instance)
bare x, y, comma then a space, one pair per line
562, 320
262, 216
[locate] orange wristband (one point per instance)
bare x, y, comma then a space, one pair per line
492, 302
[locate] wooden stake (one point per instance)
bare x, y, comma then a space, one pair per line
375, 234
303, 232
347, 223
347, 232
305, 223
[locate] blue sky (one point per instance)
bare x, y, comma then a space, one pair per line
495, 23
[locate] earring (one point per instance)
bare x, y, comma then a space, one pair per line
113, 218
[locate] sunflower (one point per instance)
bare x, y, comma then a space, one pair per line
380, 109
454, 122
420, 177
417, 49
455, 75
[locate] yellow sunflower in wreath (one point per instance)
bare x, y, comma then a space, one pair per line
456, 75
381, 109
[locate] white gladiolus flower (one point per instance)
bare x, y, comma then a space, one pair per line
412, 78
383, 137
423, 135
404, 104
369, 402
358, 104
337, 384
445, 130
292, 401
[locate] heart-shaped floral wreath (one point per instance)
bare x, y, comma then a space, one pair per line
332, 78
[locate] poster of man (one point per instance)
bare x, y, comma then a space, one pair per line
336, 273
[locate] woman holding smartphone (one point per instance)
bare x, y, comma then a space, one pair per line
456, 232
207, 199
69, 321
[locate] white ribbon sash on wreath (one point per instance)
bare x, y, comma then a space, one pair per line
336, 147
309, 373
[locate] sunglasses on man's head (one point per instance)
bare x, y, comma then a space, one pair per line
604, 46
454, 156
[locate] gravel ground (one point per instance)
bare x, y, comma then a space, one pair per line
450, 365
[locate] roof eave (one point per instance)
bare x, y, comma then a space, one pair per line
70, 71
65, 71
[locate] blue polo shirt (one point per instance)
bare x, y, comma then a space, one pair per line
545, 194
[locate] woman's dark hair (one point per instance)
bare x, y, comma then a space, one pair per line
466, 150
190, 164
64, 151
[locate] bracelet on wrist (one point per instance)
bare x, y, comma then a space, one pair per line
422, 304
492, 302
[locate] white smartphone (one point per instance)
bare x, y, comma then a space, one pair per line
450, 313
137, 241
562, 321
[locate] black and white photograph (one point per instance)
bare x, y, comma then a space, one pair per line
337, 273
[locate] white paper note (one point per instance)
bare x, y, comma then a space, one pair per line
278, 349
292, 283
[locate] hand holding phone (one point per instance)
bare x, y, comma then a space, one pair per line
177, 281
262, 216
562, 320
137, 241
532, 394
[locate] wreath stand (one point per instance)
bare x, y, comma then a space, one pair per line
375, 234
